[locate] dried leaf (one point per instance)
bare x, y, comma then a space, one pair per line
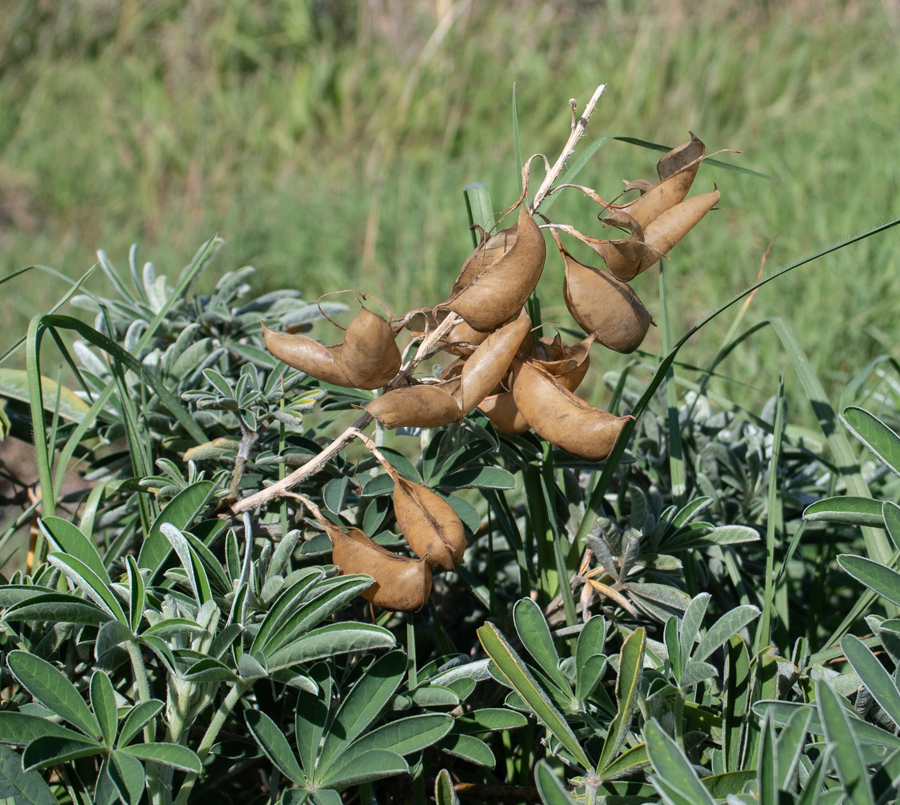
499, 276
309, 356
561, 418
370, 356
401, 583
430, 524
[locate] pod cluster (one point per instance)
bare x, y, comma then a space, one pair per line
518, 381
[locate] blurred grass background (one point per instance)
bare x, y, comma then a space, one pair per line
329, 144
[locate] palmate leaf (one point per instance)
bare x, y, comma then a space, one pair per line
628, 682
674, 774
19, 729
880, 440
50, 750
524, 684
52, 689
271, 740
326, 641
179, 512
356, 769
873, 675
535, 636
549, 786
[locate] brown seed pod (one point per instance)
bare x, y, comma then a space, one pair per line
561, 418
309, 356
674, 224
485, 368
370, 356
676, 170
462, 339
604, 305
418, 406
401, 583
430, 524
622, 256
504, 414
499, 275
568, 364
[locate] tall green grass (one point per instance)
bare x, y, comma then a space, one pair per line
332, 146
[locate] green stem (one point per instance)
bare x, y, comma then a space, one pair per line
212, 732
155, 790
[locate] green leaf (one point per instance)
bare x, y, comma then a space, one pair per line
535, 636
846, 509
363, 704
138, 717
19, 729
285, 605
479, 477
138, 595
524, 684
550, 787
847, 755
406, 735
59, 608
470, 748
690, 625
874, 575
490, 719
891, 514
271, 740
444, 792
103, 703
52, 689
165, 754
211, 670
628, 683
791, 746
627, 763
723, 629
880, 440
355, 769
326, 641
22, 788
50, 750
434, 696
179, 512
70, 540
731, 782
127, 775
873, 675
672, 768
735, 700
90, 583
191, 563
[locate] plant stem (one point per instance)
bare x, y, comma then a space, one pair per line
154, 789
212, 732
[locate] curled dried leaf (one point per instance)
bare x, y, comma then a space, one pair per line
370, 355
401, 583
604, 305
499, 276
561, 418
428, 406
430, 524
309, 356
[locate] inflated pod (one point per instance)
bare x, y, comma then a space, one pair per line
499, 276
677, 171
561, 418
401, 583
667, 230
309, 356
504, 414
568, 364
370, 356
430, 524
462, 339
422, 406
623, 256
605, 306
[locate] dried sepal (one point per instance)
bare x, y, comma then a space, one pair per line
370, 355
561, 418
401, 583
309, 356
604, 305
424, 406
430, 524
499, 276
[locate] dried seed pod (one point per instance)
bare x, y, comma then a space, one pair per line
674, 224
401, 583
430, 524
622, 256
561, 418
568, 364
504, 414
499, 275
370, 356
462, 339
676, 170
418, 406
309, 356
604, 305
485, 368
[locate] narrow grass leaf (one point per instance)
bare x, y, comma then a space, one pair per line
847, 755
873, 675
550, 787
271, 740
524, 684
